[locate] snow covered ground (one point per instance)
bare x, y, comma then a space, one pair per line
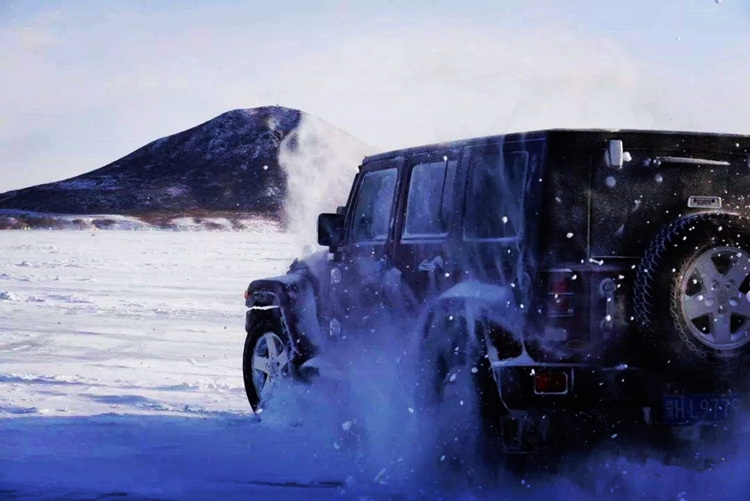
120, 378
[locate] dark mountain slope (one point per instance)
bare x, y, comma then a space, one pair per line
229, 163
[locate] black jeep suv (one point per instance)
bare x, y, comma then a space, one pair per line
586, 282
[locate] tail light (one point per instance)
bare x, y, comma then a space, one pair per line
550, 383
559, 300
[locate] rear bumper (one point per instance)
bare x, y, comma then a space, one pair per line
599, 404
588, 387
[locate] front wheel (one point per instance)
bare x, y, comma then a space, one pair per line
266, 361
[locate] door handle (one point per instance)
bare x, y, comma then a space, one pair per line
431, 265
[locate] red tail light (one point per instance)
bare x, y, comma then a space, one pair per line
550, 383
559, 282
560, 296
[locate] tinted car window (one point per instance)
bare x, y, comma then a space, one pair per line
625, 201
495, 198
373, 207
428, 206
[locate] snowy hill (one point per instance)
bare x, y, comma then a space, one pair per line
227, 167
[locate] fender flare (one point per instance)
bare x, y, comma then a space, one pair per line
477, 300
292, 300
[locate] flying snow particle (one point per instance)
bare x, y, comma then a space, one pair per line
659, 178
381, 477
611, 182
265, 167
569, 235
505, 219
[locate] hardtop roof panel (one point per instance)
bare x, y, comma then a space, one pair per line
741, 142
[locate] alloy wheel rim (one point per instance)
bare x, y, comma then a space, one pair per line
270, 362
715, 298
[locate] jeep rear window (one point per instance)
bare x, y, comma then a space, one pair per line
372, 211
428, 207
630, 205
495, 194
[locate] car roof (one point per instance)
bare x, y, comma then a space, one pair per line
741, 141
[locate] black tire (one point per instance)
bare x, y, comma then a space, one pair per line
691, 296
266, 360
458, 394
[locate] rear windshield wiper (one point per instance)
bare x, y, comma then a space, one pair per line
657, 161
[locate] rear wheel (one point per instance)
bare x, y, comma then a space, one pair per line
457, 393
266, 361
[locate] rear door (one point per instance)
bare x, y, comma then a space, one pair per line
630, 205
422, 245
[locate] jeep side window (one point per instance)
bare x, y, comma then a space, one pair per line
372, 211
494, 202
428, 207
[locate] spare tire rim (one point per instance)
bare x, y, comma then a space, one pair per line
270, 362
715, 298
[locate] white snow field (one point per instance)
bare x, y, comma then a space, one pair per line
120, 378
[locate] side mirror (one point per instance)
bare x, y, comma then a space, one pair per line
330, 230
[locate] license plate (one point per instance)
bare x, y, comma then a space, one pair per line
690, 409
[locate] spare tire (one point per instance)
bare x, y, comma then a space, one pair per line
692, 296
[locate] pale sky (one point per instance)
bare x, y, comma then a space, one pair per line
87, 82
